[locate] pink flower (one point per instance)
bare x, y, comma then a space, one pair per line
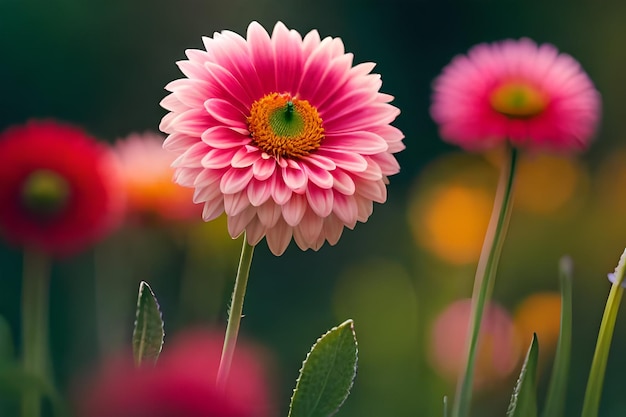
283, 134
516, 91
59, 188
181, 384
152, 195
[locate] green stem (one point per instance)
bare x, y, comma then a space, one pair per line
234, 314
485, 277
593, 393
34, 326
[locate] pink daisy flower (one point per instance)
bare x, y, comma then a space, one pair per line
59, 188
516, 91
283, 134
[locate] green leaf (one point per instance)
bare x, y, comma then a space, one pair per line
555, 400
148, 334
7, 348
327, 374
524, 398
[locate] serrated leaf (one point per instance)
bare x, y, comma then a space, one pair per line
149, 333
327, 374
555, 399
524, 399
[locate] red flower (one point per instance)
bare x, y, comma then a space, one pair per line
181, 385
59, 188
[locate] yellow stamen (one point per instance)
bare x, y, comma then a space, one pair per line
518, 100
284, 126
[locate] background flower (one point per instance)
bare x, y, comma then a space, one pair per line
152, 194
181, 384
59, 188
282, 134
499, 345
516, 91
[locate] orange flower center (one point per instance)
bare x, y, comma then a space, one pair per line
518, 100
283, 126
45, 193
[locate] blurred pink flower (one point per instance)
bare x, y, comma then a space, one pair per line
181, 384
147, 173
499, 346
59, 187
283, 134
516, 91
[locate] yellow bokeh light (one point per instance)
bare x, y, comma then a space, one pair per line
540, 313
546, 183
453, 223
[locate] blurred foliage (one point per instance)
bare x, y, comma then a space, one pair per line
103, 65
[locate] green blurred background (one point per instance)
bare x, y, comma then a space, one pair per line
103, 65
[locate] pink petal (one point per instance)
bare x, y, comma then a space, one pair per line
255, 232
320, 200
365, 143
232, 89
288, 52
269, 213
259, 192
343, 182
294, 209
221, 137
349, 161
212, 209
280, 192
226, 113
218, 158
186, 176
238, 223
245, 157
309, 229
178, 142
321, 161
372, 190
192, 157
365, 207
318, 176
263, 167
294, 178
333, 228
234, 204
278, 237
261, 49
346, 209
203, 194
235, 180
208, 177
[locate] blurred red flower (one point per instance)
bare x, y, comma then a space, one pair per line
181, 384
59, 188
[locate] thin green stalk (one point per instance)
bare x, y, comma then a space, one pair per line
36, 274
485, 277
593, 393
555, 399
234, 314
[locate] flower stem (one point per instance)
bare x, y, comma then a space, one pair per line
35, 283
485, 277
234, 314
591, 403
